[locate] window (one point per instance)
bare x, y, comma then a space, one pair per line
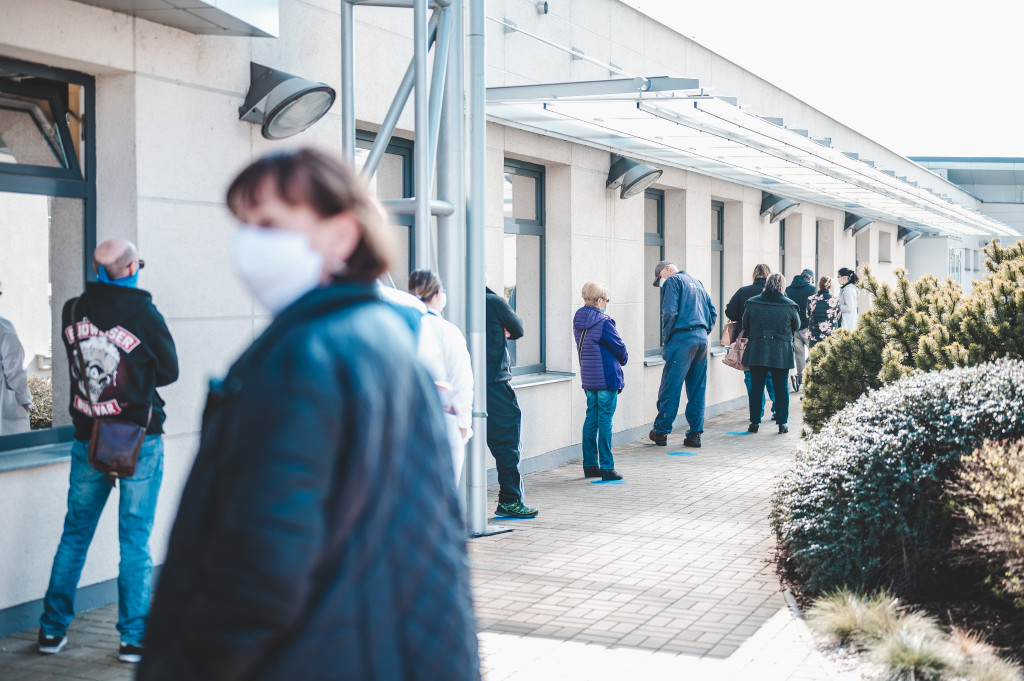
393, 180
47, 235
718, 263
782, 247
523, 271
654, 252
817, 248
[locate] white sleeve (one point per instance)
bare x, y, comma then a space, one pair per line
13, 356
460, 374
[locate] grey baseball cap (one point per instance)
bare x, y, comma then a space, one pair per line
658, 268
809, 273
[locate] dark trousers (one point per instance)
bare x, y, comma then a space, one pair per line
504, 420
686, 363
758, 377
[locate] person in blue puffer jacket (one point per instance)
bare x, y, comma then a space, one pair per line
602, 355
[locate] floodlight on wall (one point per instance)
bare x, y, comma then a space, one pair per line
856, 224
632, 176
777, 206
906, 235
283, 104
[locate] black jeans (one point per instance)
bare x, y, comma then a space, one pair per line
504, 420
758, 377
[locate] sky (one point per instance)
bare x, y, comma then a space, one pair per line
939, 78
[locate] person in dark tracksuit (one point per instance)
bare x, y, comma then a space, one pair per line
687, 314
504, 418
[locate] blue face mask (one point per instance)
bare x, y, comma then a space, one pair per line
128, 282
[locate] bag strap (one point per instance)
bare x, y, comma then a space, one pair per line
579, 345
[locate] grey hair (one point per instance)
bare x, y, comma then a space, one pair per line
775, 283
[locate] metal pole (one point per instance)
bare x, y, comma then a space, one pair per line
421, 153
348, 83
475, 253
387, 128
451, 172
437, 85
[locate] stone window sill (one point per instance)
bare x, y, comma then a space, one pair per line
541, 378
32, 457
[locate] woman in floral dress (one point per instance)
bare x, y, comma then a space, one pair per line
822, 312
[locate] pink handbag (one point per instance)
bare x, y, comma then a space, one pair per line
734, 358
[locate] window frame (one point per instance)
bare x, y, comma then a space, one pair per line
656, 238
404, 149
718, 245
536, 227
69, 183
782, 247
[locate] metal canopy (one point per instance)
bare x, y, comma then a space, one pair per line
255, 18
693, 131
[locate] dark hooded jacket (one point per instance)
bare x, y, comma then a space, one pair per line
500, 317
734, 310
602, 353
769, 321
302, 549
128, 353
799, 291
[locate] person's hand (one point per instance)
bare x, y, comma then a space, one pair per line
463, 431
507, 334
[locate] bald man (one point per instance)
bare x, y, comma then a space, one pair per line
114, 331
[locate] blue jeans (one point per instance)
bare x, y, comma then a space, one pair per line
768, 385
758, 379
686, 362
86, 498
597, 428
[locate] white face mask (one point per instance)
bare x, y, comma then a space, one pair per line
278, 266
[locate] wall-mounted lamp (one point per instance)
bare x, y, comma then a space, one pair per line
542, 8
856, 224
777, 206
283, 104
632, 176
906, 235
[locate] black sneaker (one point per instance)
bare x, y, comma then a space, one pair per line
51, 645
610, 474
660, 439
692, 440
591, 472
752, 428
783, 428
515, 509
129, 653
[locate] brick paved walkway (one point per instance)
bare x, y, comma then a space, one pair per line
666, 576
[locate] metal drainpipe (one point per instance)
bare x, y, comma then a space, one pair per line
421, 152
475, 254
348, 82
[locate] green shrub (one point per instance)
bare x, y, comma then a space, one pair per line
854, 619
919, 326
916, 648
41, 415
862, 506
990, 495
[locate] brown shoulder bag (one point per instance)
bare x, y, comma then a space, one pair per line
115, 443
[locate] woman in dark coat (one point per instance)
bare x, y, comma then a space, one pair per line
769, 321
318, 536
822, 312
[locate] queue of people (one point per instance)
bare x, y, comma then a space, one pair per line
321, 509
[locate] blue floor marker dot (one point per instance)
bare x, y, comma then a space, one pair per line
682, 453
607, 482
738, 432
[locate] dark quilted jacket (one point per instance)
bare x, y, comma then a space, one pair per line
734, 310
602, 353
769, 321
319, 536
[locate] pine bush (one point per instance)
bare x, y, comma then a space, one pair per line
863, 505
919, 326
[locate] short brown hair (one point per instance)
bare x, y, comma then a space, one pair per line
762, 271
592, 290
424, 284
328, 186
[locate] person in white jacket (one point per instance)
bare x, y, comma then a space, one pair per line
848, 294
458, 370
15, 398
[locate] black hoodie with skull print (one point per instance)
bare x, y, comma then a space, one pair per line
128, 353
